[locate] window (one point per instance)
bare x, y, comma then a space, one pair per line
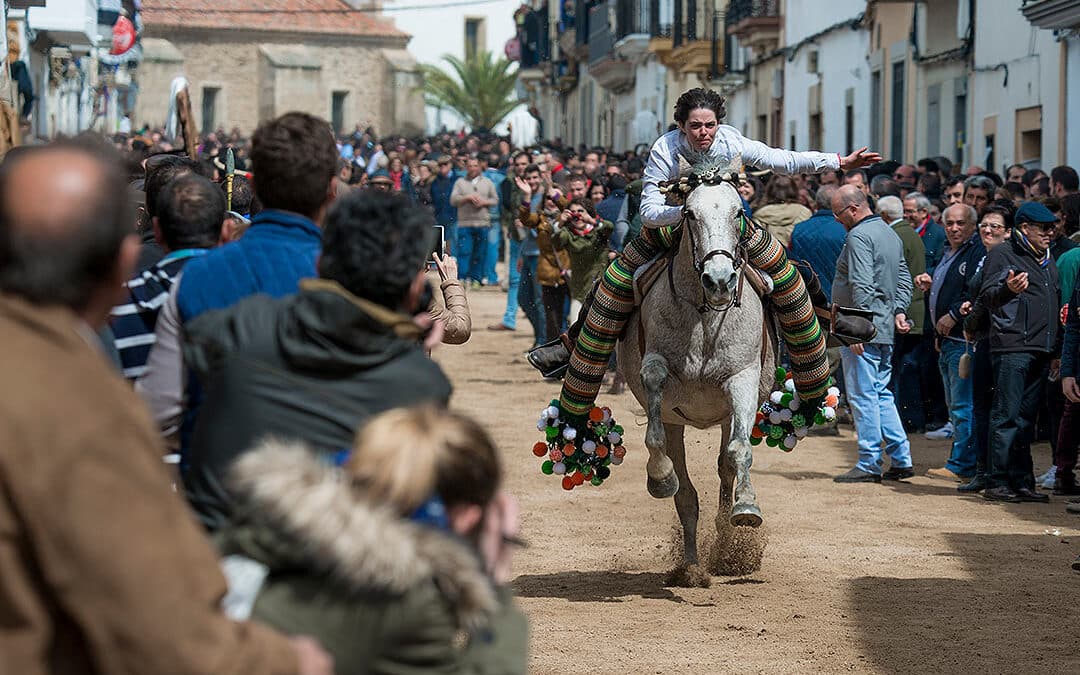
763, 127
896, 135
337, 110
209, 109
849, 127
475, 39
933, 120
875, 109
989, 160
960, 122
1028, 136
815, 131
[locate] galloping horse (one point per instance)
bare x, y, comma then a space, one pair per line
696, 354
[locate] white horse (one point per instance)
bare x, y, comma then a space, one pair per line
696, 354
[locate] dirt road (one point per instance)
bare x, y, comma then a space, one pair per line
895, 578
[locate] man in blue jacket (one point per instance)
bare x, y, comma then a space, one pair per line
445, 212
819, 240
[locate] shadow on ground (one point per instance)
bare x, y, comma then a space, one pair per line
595, 586
1017, 613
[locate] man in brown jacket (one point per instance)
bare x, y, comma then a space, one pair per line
102, 568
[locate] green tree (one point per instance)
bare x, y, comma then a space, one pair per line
480, 88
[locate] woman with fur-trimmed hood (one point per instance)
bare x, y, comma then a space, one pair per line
393, 562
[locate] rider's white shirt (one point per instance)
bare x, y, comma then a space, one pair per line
728, 144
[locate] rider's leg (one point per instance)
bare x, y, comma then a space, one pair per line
601, 322
798, 324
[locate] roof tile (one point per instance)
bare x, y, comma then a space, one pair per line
329, 17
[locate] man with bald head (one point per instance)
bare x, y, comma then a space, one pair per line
102, 568
948, 289
871, 275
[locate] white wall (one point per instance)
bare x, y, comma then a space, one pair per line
1003, 36
1072, 104
841, 66
441, 30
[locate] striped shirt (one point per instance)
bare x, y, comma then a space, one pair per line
133, 322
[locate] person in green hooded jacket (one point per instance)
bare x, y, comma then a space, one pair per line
396, 562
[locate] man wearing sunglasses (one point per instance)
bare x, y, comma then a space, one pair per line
1020, 288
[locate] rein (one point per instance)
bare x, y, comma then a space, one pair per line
682, 187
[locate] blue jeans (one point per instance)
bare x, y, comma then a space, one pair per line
866, 378
472, 249
450, 237
492, 255
530, 299
958, 396
513, 282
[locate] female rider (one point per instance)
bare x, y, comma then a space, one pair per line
698, 113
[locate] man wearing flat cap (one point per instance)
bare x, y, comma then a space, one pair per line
1020, 288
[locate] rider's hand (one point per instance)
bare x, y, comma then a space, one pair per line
858, 159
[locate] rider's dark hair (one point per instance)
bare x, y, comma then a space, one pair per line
696, 99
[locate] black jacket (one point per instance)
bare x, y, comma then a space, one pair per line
1027, 322
953, 291
309, 367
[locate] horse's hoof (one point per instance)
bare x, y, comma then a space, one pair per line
746, 515
665, 487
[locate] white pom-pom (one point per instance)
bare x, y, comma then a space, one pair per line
607, 416
775, 418
833, 391
828, 413
614, 438
776, 397
785, 415
790, 441
616, 460
789, 385
558, 468
801, 432
588, 447
553, 412
541, 425
569, 433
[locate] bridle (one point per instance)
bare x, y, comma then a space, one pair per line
680, 189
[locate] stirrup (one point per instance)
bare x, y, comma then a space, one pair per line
552, 358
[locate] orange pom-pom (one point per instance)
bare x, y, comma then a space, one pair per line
756, 432
579, 479
568, 483
596, 415
759, 417
619, 452
568, 450
540, 449
831, 401
556, 456
601, 451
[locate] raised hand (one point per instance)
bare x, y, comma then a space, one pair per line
860, 158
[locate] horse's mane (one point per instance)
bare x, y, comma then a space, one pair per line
702, 163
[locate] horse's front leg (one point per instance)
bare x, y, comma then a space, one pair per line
662, 482
743, 389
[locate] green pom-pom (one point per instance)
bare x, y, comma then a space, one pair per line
787, 398
755, 440
555, 402
819, 418
552, 433
618, 429
547, 468
798, 421
772, 442
597, 481
780, 375
776, 432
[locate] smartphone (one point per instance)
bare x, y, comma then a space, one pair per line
438, 247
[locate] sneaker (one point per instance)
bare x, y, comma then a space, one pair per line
944, 433
1046, 481
857, 475
944, 474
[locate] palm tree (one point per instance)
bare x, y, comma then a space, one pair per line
482, 92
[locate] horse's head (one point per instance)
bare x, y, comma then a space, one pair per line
713, 221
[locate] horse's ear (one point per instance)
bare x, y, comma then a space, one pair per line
684, 166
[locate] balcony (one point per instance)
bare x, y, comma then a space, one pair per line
1052, 14
661, 15
757, 23
609, 69
67, 22
632, 28
698, 41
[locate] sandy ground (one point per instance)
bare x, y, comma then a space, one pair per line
892, 578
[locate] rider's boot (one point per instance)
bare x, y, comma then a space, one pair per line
844, 327
553, 358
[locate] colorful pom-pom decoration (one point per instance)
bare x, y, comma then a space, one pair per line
784, 419
579, 450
